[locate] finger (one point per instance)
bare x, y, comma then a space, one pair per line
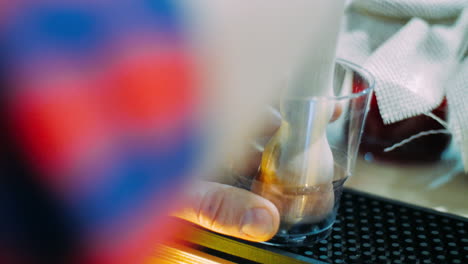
248, 164
272, 121
230, 211
337, 112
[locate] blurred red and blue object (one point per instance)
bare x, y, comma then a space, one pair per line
100, 104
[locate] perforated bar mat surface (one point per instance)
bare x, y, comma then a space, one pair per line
368, 229
371, 229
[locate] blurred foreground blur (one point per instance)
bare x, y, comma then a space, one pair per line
109, 107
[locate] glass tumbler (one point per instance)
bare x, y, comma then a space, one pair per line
306, 185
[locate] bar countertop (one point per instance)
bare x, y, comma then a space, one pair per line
424, 185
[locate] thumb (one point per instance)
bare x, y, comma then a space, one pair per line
230, 211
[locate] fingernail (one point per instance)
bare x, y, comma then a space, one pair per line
257, 223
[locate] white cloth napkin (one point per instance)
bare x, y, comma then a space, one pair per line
412, 47
426, 9
457, 94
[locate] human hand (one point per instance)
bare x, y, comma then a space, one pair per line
231, 211
234, 211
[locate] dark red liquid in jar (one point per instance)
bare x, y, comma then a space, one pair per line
377, 136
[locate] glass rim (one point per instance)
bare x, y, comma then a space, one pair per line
365, 74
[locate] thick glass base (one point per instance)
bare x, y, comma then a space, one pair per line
284, 239
308, 234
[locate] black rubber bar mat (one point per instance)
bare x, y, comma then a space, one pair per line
368, 229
